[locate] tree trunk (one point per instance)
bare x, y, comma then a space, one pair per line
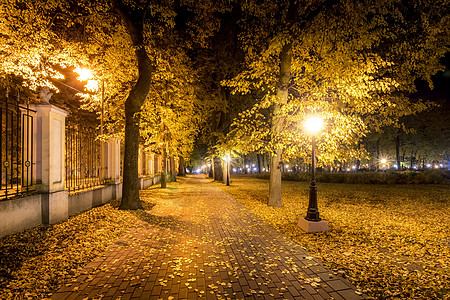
397, 150
173, 171
164, 169
378, 154
277, 126
447, 158
181, 167
218, 174
258, 156
133, 104
245, 165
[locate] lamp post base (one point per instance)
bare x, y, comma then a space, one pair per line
313, 226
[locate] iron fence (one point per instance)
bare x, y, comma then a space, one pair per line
16, 148
83, 159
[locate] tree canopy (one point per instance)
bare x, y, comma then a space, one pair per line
244, 75
353, 63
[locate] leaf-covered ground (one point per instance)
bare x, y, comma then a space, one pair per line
393, 242
35, 262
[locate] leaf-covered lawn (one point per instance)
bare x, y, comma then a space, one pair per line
35, 262
393, 242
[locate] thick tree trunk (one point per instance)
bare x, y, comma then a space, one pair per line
133, 104
130, 196
218, 173
181, 167
277, 126
173, 170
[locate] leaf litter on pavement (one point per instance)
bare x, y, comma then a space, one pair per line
180, 242
392, 242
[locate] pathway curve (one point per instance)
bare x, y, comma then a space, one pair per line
199, 243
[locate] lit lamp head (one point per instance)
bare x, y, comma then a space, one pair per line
383, 160
226, 158
85, 74
313, 125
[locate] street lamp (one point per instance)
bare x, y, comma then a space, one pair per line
312, 221
92, 85
227, 160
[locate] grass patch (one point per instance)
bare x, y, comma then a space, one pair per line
391, 241
375, 177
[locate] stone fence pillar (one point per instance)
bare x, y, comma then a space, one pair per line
50, 166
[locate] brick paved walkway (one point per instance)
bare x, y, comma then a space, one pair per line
199, 243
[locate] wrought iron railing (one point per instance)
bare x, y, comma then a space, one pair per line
83, 159
16, 149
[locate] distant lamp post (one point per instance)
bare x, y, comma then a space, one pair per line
227, 160
312, 221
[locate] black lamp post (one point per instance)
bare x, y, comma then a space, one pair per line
312, 221
313, 211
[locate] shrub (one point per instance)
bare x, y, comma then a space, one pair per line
371, 177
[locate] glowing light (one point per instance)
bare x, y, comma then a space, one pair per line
227, 159
313, 125
234, 170
395, 166
254, 169
383, 160
353, 167
287, 166
428, 165
441, 165
84, 74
